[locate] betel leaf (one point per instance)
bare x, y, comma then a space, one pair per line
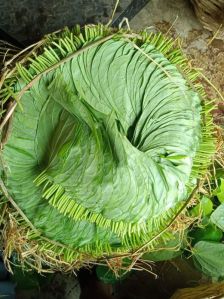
166, 250
25, 280
219, 173
208, 233
209, 258
109, 143
217, 217
108, 276
219, 192
204, 207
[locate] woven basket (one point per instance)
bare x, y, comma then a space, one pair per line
207, 291
210, 13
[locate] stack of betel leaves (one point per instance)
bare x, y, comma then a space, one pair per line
105, 137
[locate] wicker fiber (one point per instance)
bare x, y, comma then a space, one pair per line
210, 13
207, 291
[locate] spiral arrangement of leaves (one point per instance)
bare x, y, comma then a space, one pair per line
105, 136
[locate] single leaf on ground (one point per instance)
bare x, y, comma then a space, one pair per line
219, 192
166, 251
208, 233
217, 217
204, 207
209, 258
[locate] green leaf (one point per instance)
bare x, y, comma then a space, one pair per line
219, 173
106, 275
170, 250
29, 279
219, 192
209, 258
217, 217
208, 233
204, 207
